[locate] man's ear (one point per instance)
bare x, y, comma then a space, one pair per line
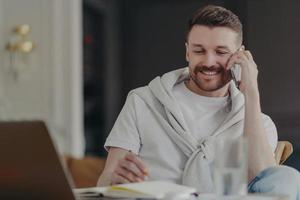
187, 52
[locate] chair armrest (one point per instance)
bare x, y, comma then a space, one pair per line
85, 171
283, 150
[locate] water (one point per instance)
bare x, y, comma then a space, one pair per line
230, 181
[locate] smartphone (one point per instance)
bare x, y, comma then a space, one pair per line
236, 74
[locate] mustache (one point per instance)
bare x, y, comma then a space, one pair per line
206, 68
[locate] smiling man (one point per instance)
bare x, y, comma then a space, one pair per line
166, 129
208, 50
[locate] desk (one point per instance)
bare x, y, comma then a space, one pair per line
199, 197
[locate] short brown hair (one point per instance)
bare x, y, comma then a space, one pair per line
216, 16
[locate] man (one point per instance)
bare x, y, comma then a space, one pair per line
165, 130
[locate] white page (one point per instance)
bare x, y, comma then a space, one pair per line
147, 189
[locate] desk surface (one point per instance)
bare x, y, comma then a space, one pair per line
200, 197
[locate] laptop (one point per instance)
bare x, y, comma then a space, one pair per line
30, 167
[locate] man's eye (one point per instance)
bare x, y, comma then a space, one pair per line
199, 52
222, 52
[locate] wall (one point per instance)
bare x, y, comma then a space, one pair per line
273, 36
49, 85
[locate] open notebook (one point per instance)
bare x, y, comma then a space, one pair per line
148, 189
161, 190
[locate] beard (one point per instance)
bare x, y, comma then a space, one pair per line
209, 85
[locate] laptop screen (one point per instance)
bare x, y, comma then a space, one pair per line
30, 167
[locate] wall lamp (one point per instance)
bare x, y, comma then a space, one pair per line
19, 47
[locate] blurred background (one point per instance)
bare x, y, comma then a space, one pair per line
88, 54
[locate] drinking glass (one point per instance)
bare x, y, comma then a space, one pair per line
230, 167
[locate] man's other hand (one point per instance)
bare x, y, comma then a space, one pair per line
122, 166
129, 169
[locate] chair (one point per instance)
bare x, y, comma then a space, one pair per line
85, 171
283, 150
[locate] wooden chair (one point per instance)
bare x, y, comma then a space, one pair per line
283, 150
85, 171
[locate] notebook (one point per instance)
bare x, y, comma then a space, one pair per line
30, 167
145, 190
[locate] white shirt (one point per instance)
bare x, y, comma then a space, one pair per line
203, 115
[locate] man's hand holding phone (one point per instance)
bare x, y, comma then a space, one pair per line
249, 72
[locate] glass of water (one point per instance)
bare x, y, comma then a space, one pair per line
230, 167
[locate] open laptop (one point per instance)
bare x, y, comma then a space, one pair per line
30, 167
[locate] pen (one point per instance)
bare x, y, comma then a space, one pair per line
145, 172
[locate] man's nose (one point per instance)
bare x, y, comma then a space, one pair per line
209, 60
